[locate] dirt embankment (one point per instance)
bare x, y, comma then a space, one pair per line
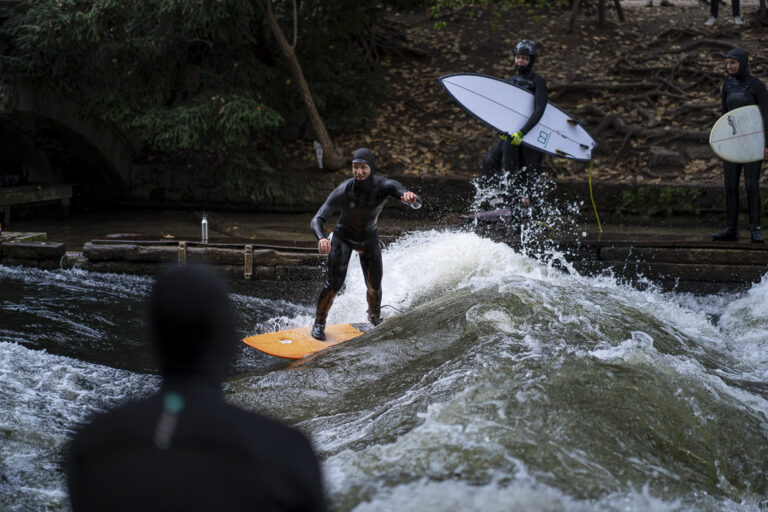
648, 89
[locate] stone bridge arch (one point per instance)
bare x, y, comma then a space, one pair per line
58, 143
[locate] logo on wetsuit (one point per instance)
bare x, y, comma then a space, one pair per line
351, 204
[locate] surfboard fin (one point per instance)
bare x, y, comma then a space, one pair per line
561, 152
572, 122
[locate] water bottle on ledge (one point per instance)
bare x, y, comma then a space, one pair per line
204, 228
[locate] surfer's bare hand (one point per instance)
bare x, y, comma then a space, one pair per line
324, 246
408, 197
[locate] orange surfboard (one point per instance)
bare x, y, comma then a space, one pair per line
298, 343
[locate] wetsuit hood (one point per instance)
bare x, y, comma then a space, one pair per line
742, 58
363, 188
190, 324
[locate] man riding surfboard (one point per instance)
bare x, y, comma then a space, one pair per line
360, 200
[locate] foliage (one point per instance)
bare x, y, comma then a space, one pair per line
473, 7
666, 200
196, 76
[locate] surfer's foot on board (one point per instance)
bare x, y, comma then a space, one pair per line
757, 237
374, 318
728, 235
318, 331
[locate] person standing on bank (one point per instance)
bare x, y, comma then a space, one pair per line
360, 200
739, 90
508, 156
714, 9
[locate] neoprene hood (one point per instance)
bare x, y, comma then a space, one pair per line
742, 58
364, 155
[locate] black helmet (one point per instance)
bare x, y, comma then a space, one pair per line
526, 47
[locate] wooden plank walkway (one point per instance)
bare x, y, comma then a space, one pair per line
27, 194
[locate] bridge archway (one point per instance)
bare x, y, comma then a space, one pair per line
45, 138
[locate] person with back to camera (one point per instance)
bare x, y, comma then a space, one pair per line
184, 448
508, 155
739, 90
360, 200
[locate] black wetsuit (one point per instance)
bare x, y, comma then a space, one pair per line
740, 90
521, 162
714, 6
210, 456
185, 448
360, 203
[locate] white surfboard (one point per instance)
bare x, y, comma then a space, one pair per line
506, 108
738, 136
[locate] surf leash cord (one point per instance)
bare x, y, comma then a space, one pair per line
592, 197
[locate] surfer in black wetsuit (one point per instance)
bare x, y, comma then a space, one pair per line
360, 200
185, 448
739, 90
508, 156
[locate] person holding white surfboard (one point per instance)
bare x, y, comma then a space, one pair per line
508, 155
740, 89
360, 200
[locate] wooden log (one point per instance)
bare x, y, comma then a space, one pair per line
182, 253
130, 252
194, 254
248, 262
32, 250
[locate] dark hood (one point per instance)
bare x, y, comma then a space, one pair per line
190, 324
363, 188
742, 58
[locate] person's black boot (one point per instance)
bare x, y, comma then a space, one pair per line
728, 235
757, 237
318, 331
374, 317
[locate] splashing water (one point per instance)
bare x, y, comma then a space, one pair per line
505, 384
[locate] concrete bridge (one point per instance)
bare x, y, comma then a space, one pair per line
46, 139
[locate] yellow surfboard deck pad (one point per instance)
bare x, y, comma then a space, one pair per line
298, 342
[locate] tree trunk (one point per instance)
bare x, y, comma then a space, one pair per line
332, 158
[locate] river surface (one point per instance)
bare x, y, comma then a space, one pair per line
503, 384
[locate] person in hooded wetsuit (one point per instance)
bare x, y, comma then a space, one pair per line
508, 156
739, 90
185, 448
360, 200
